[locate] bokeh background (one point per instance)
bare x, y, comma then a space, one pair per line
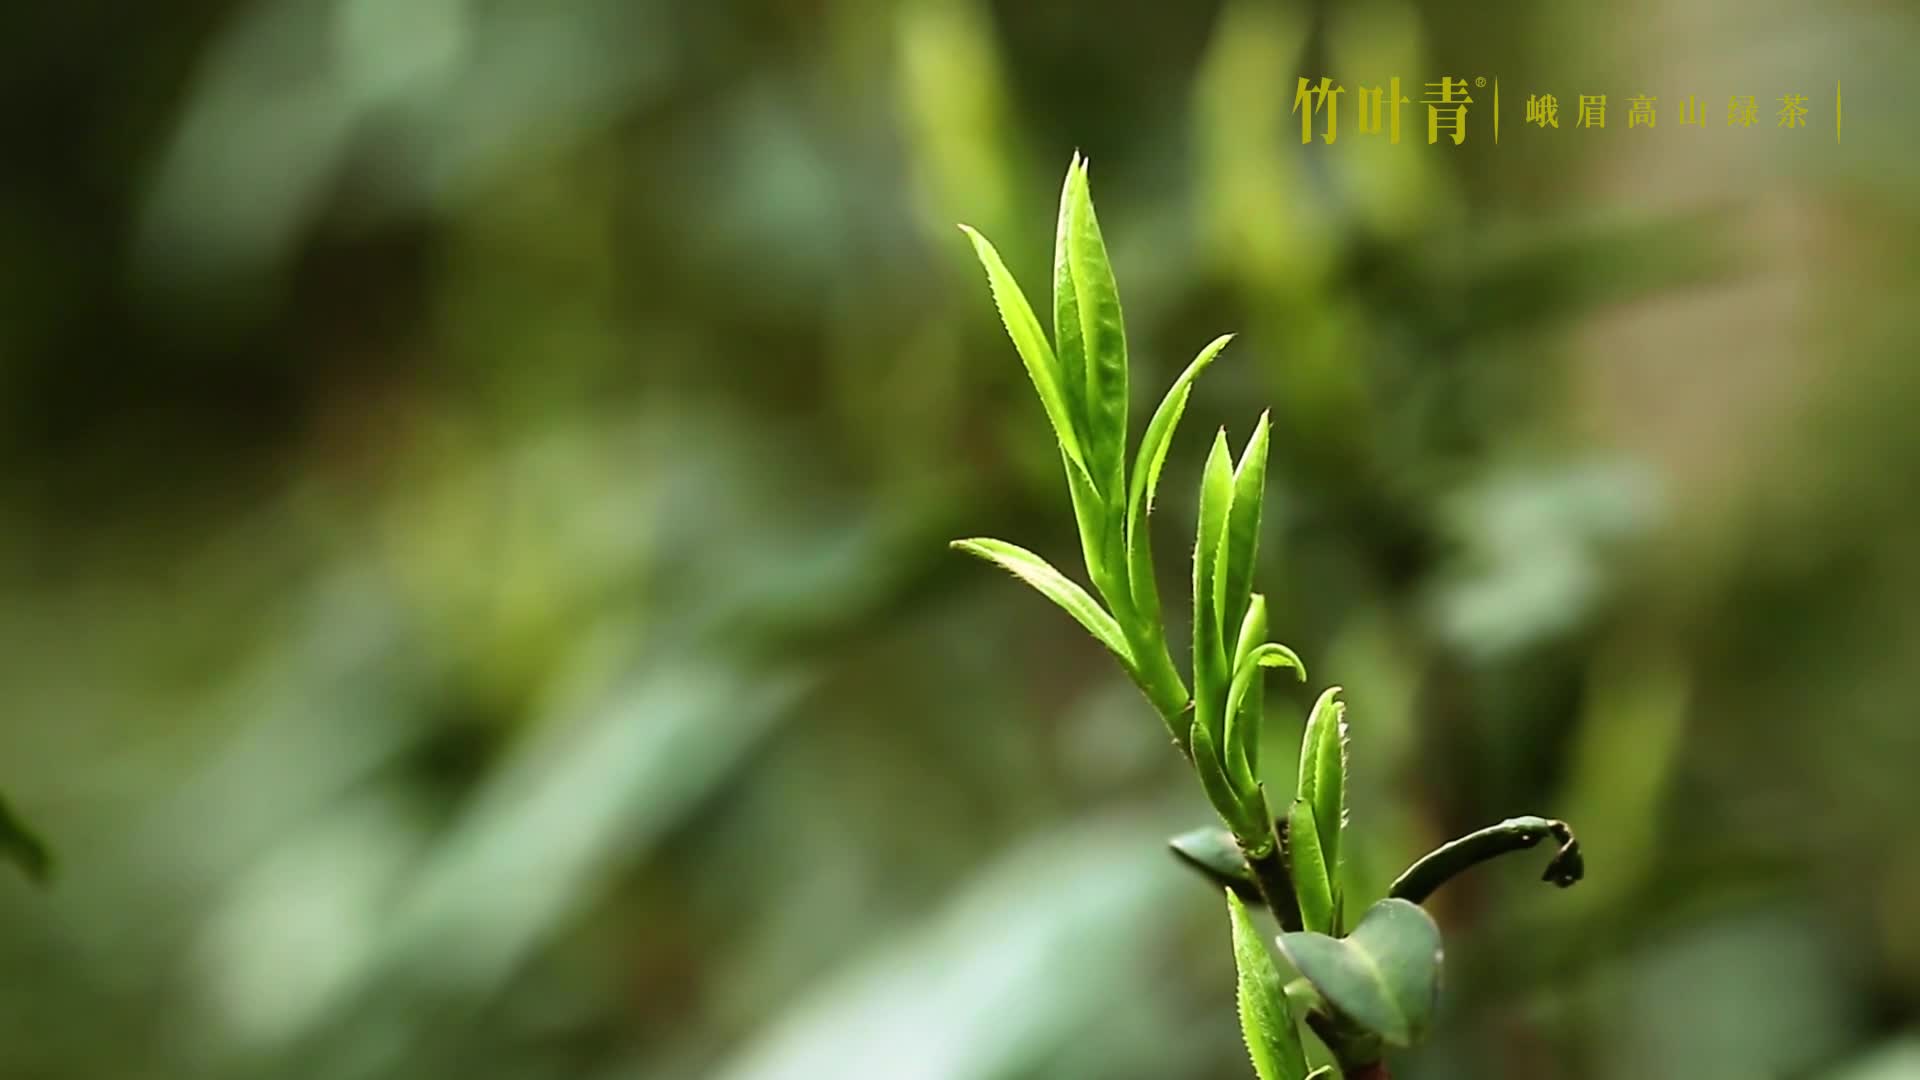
475, 475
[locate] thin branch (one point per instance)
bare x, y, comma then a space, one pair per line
1276, 881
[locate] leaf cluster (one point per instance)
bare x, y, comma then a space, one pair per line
1365, 989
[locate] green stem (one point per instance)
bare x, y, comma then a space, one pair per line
1514, 834
1158, 679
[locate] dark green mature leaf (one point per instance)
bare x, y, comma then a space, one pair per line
1212, 852
1242, 541
1312, 885
1265, 1018
1210, 672
1240, 730
1031, 342
1514, 834
1036, 572
1323, 773
1103, 336
1146, 480
1385, 976
20, 846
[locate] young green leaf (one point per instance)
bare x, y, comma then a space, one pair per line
1212, 852
1239, 813
1103, 336
1210, 672
1146, 480
1242, 730
1031, 342
1069, 344
20, 846
1253, 708
1036, 572
1384, 976
1241, 545
1311, 882
1265, 1018
1323, 772
1096, 540
1253, 631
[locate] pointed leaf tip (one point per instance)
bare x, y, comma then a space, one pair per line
1102, 339
1043, 369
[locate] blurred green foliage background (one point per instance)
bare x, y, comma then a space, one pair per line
476, 476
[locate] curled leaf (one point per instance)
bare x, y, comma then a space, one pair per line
1243, 730
1438, 866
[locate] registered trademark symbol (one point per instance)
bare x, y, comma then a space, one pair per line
1480, 81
